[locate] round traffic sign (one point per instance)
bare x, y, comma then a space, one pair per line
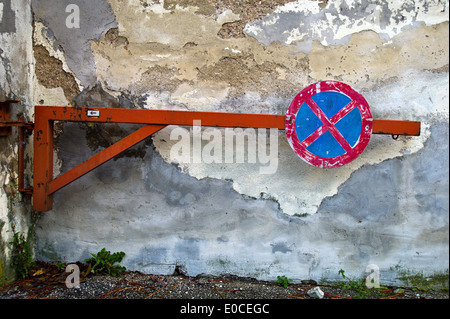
328, 124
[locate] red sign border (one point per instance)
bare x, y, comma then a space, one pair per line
306, 94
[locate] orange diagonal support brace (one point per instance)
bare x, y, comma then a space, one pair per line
102, 157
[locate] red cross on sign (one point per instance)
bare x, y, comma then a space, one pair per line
328, 124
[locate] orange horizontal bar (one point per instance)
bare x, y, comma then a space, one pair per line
102, 157
219, 119
163, 117
395, 127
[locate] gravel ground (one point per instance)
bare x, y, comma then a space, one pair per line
49, 283
180, 296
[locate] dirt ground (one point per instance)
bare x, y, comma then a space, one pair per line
49, 282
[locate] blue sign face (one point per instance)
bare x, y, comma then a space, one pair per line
330, 103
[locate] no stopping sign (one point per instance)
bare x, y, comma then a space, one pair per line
328, 124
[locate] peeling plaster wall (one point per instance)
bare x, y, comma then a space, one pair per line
229, 56
334, 22
16, 83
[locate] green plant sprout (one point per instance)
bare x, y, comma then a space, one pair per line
284, 281
359, 287
22, 256
105, 263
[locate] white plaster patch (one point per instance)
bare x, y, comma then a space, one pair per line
235, 51
422, 97
227, 16
299, 6
426, 100
156, 7
172, 27
3, 213
45, 96
203, 95
340, 19
253, 29
156, 100
274, 19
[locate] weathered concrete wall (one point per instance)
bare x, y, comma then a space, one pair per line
250, 56
16, 83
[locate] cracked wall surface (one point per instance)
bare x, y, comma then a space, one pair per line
252, 57
16, 83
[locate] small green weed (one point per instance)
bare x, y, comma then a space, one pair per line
60, 265
105, 263
359, 287
283, 281
419, 282
22, 256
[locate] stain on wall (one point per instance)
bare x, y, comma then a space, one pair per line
7, 17
333, 22
50, 74
16, 83
95, 20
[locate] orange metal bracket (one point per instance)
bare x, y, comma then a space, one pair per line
6, 129
154, 120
